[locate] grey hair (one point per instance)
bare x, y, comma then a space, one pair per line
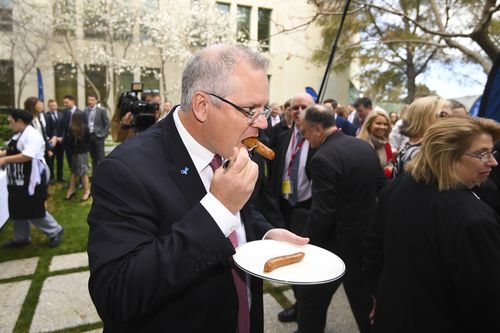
210, 70
318, 114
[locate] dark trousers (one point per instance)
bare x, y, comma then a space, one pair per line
58, 159
294, 213
313, 301
96, 150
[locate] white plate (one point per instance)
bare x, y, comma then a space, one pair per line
318, 265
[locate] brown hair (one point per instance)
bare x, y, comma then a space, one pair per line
29, 105
442, 146
78, 125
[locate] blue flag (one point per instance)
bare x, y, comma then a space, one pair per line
490, 101
313, 93
40, 84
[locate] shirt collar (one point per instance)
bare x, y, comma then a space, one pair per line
200, 155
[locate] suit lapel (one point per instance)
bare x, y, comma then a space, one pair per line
180, 166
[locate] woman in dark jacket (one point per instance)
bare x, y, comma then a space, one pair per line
433, 254
79, 141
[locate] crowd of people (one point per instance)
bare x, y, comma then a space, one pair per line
409, 200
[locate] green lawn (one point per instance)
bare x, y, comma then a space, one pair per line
72, 215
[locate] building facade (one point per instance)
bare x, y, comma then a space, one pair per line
104, 45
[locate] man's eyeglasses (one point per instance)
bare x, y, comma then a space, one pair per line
252, 114
484, 157
297, 107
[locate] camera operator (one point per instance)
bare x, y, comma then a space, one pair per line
136, 115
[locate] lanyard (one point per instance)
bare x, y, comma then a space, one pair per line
294, 154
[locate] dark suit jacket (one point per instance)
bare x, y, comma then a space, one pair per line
345, 179
54, 127
158, 261
438, 254
346, 126
65, 126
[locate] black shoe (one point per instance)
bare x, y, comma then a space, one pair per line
61, 180
54, 241
15, 244
288, 315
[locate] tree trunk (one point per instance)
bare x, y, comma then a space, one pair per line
411, 75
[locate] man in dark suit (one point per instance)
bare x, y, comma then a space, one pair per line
289, 178
346, 177
69, 109
98, 128
166, 217
54, 119
363, 106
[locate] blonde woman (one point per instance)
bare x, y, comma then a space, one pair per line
434, 264
421, 114
375, 131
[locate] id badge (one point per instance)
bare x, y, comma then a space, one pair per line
286, 186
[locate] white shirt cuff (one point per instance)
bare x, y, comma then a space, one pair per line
227, 221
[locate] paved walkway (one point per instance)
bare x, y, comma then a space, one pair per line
64, 302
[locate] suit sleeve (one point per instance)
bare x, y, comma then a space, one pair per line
135, 267
105, 122
321, 220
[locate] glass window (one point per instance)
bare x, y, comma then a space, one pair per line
243, 24
264, 28
7, 83
125, 79
64, 17
151, 78
5, 15
65, 77
96, 74
94, 20
223, 7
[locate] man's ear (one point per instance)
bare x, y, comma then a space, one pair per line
200, 104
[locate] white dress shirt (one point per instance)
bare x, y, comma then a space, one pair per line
275, 120
304, 184
201, 157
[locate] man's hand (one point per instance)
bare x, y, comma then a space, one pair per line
234, 185
287, 236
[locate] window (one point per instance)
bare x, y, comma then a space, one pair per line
145, 30
243, 24
125, 80
66, 81
151, 78
223, 7
64, 17
264, 28
5, 15
7, 83
96, 74
94, 19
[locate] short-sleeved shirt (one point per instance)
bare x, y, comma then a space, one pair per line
30, 143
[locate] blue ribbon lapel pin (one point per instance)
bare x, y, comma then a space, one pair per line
185, 171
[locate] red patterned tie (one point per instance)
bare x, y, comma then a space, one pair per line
238, 276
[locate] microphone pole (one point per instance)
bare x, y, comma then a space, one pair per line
324, 82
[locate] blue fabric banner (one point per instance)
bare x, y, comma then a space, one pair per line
40, 84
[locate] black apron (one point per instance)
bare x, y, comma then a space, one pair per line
21, 204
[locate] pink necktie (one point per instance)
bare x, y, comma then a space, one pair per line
238, 276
